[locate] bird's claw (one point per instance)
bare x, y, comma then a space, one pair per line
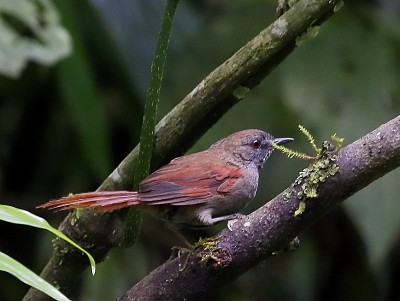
233, 221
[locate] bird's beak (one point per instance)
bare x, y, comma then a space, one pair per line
281, 141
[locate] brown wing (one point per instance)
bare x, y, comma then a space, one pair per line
187, 182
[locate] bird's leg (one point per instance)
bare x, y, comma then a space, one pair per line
226, 218
206, 218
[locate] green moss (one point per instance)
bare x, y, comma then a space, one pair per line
318, 172
300, 209
208, 245
211, 253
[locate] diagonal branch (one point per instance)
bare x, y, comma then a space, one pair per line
177, 132
272, 227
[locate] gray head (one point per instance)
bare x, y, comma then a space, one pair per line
250, 146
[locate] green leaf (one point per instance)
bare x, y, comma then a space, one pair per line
18, 216
10, 265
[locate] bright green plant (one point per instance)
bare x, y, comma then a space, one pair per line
7, 264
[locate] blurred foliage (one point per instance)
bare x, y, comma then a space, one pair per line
30, 30
64, 128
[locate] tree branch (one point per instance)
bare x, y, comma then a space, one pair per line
176, 133
272, 227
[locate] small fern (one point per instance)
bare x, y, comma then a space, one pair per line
338, 141
292, 153
310, 138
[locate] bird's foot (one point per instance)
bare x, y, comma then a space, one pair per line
234, 220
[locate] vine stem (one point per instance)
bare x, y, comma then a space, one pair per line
153, 93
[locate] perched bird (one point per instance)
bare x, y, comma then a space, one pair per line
195, 190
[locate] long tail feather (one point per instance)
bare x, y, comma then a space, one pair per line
102, 201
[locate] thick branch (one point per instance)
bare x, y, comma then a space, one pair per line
177, 132
272, 227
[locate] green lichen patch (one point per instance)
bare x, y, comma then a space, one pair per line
206, 243
300, 209
208, 246
211, 253
318, 172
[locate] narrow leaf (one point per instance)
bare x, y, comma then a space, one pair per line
18, 216
10, 265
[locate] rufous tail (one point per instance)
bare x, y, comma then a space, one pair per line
102, 201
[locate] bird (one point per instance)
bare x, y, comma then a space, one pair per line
192, 191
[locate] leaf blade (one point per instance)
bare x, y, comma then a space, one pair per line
22, 217
15, 268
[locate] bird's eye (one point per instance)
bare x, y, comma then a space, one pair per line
256, 144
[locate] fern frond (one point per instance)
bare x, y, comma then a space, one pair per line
338, 140
310, 138
291, 153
